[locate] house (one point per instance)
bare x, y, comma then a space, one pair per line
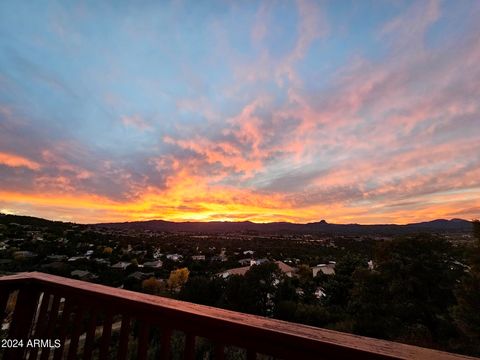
326, 269
218, 258
126, 250
198, 257
121, 265
153, 264
174, 257
35, 235
58, 266
83, 275
245, 261
37, 238
57, 257
139, 252
138, 275
157, 253
102, 261
236, 271
24, 255
76, 258
248, 252
259, 261
62, 240
286, 269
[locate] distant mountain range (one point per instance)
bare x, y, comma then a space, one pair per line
436, 226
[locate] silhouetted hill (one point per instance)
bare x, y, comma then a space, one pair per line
437, 226
30, 220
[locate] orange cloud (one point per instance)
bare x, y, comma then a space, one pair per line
18, 161
190, 202
224, 153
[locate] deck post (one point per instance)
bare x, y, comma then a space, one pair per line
23, 319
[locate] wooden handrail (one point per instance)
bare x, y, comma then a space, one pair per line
222, 327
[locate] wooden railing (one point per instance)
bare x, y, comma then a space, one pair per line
88, 321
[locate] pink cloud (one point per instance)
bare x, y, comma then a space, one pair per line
13, 160
136, 121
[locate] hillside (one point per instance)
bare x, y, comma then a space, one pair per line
437, 226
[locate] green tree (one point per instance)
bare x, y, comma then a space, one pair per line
261, 281
304, 273
253, 293
408, 296
338, 287
202, 290
467, 311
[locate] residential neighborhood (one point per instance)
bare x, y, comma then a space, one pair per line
118, 257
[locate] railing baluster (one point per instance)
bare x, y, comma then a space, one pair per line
40, 324
4, 296
189, 346
165, 344
106, 336
67, 310
77, 329
124, 336
143, 332
52, 319
219, 352
23, 318
90, 335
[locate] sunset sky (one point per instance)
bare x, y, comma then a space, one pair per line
349, 111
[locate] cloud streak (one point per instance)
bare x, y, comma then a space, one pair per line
12, 160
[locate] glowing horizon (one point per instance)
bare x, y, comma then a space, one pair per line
293, 111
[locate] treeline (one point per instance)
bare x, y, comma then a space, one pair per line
422, 291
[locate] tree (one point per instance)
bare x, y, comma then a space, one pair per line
369, 305
286, 291
467, 311
132, 267
202, 290
253, 293
237, 294
307, 284
304, 273
476, 230
408, 296
338, 287
261, 281
152, 286
178, 278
